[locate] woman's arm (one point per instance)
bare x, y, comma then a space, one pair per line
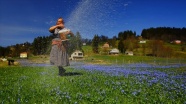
51, 29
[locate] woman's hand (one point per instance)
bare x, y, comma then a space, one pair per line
60, 26
56, 26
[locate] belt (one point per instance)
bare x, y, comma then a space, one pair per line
57, 42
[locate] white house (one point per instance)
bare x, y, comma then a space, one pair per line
114, 51
130, 53
3, 59
76, 55
142, 41
177, 41
23, 55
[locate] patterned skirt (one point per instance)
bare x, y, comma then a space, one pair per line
58, 54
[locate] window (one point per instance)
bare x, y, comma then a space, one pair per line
79, 54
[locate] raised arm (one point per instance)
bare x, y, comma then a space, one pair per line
51, 29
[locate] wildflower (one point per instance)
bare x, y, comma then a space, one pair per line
18, 100
122, 91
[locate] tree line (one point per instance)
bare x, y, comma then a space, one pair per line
124, 41
41, 46
166, 34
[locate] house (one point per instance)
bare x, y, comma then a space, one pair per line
106, 45
177, 41
142, 41
76, 55
130, 53
114, 51
3, 59
23, 55
105, 48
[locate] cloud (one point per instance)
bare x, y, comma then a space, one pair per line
126, 4
51, 22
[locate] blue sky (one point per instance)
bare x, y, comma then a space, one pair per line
24, 20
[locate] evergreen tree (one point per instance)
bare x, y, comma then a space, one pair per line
41, 45
95, 44
121, 46
75, 43
2, 51
166, 34
127, 40
113, 42
79, 41
103, 39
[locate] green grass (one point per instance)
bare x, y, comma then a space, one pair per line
175, 47
122, 59
42, 85
125, 59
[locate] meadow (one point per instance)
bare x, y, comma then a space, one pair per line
98, 79
91, 83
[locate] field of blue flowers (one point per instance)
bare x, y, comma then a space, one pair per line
132, 83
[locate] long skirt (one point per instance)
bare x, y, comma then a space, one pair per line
59, 55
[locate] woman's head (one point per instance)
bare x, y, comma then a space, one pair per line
60, 21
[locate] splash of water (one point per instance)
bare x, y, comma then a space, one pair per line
92, 17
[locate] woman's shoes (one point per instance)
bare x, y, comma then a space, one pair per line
61, 71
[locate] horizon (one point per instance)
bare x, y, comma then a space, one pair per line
100, 35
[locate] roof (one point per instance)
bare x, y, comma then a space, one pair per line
23, 53
106, 45
115, 50
77, 51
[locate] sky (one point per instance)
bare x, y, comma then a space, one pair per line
23, 20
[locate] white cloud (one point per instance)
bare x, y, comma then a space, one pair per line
126, 4
50, 22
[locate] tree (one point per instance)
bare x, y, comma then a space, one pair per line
113, 42
103, 39
121, 46
2, 51
127, 40
41, 45
36, 46
75, 43
159, 49
95, 44
87, 41
166, 34
79, 41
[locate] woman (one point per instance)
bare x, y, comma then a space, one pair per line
58, 54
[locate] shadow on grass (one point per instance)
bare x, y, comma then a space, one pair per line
72, 73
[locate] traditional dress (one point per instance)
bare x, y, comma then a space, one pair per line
58, 54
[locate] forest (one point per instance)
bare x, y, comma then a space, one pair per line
166, 34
